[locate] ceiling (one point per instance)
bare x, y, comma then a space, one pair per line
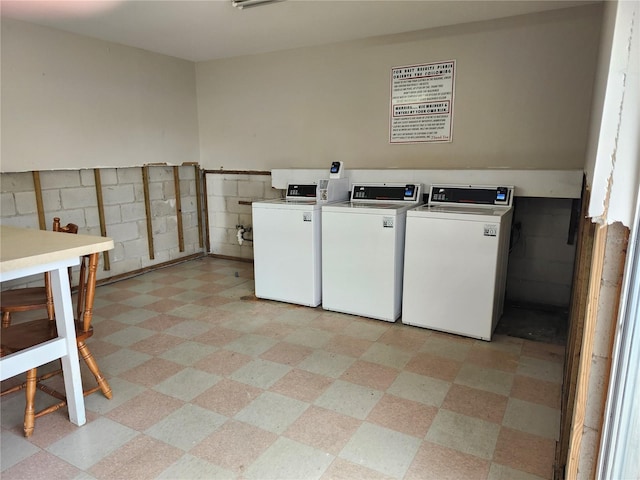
212, 29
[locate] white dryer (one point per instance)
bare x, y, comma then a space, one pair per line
363, 250
287, 242
456, 254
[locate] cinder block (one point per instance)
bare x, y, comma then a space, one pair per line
25, 221
16, 182
51, 200
228, 188
88, 177
156, 191
113, 215
117, 194
129, 175
225, 220
25, 202
251, 189
117, 255
234, 205
7, 205
78, 197
91, 217
133, 211
214, 184
138, 192
67, 216
124, 231
160, 257
158, 225
187, 172
165, 241
108, 176
217, 204
160, 173
126, 266
162, 208
136, 248
59, 179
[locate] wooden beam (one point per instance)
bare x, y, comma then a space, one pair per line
579, 292
584, 371
147, 208
176, 184
198, 178
37, 187
103, 222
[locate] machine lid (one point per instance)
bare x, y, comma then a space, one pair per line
475, 213
403, 193
470, 195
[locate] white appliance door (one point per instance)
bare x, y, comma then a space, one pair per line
450, 272
362, 264
286, 251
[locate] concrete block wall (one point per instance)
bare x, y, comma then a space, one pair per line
541, 261
71, 195
225, 192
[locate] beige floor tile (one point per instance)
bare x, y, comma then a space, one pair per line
463, 433
434, 366
227, 397
287, 353
402, 415
301, 384
435, 462
323, 429
234, 446
477, 403
222, 362
40, 465
525, 452
341, 469
349, 346
536, 391
532, 418
141, 458
370, 375
145, 410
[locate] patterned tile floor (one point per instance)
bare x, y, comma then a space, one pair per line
211, 383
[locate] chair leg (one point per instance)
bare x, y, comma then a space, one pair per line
29, 409
6, 319
93, 366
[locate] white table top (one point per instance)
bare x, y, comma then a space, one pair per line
25, 247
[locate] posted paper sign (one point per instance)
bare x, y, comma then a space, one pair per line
422, 103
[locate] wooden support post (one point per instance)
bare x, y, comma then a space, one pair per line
176, 182
103, 223
584, 371
199, 203
37, 187
579, 295
205, 196
147, 208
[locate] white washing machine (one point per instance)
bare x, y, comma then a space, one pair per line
287, 242
363, 250
456, 253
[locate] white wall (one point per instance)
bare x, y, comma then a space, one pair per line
522, 98
613, 169
69, 101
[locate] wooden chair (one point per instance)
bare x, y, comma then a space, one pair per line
20, 336
32, 298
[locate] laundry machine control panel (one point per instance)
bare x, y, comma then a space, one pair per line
387, 192
471, 195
